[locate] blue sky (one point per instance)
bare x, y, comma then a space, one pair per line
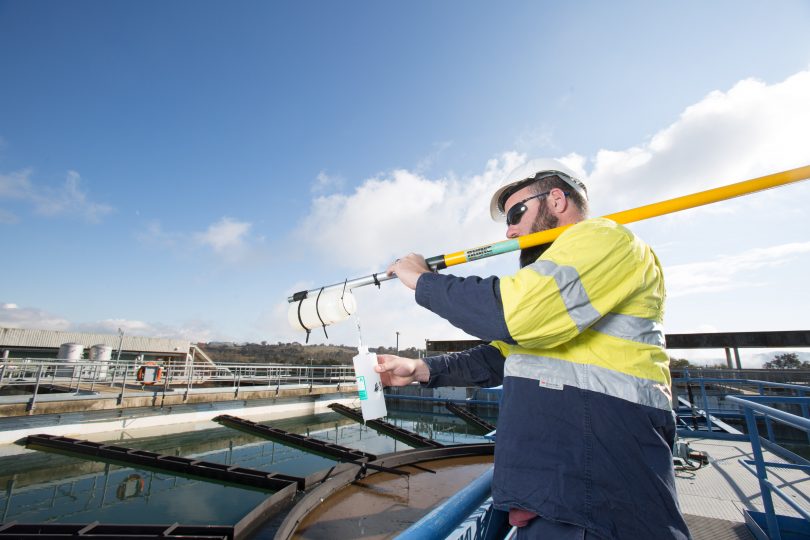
179, 168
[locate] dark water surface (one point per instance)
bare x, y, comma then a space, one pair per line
43, 487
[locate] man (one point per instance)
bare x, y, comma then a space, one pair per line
585, 427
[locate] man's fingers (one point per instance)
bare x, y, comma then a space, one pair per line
383, 363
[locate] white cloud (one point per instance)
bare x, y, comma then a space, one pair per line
226, 235
230, 240
69, 199
194, 331
752, 130
402, 211
722, 272
14, 316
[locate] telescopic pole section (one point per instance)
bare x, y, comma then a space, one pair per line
662, 208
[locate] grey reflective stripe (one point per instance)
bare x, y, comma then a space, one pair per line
554, 373
632, 328
573, 293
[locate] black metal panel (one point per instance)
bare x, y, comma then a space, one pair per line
96, 531
469, 417
403, 435
719, 340
308, 444
443, 347
205, 470
714, 340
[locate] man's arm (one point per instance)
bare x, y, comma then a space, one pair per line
480, 366
472, 304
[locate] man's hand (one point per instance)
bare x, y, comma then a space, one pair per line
400, 371
408, 269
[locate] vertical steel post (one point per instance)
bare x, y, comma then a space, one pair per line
769, 429
123, 388
166, 381
762, 475
94, 376
805, 411
33, 403
706, 405
190, 376
73, 374
728, 358
120, 344
737, 358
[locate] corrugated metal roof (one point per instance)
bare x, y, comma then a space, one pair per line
21, 337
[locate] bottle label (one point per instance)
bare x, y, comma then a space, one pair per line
361, 387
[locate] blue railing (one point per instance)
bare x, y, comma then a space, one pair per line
712, 424
753, 407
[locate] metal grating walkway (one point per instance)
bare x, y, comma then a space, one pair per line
703, 528
725, 488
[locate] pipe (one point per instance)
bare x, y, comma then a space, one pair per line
443, 519
640, 213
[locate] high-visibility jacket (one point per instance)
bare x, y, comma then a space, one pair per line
585, 426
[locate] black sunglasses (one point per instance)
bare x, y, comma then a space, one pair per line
515, 213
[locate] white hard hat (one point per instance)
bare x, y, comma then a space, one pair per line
536, 168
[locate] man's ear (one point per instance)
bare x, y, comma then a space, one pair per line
559, 202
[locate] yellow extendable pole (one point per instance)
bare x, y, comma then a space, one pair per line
637, 214
628, 216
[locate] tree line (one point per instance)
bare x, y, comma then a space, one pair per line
780, 361
292, 353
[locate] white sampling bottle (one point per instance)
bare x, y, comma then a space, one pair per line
369, 385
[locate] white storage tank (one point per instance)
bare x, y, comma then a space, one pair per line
69, 352
72, 352
102, 354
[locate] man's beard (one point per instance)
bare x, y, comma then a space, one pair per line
544, 221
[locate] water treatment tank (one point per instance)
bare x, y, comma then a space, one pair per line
69, 352
72, 352
100, 353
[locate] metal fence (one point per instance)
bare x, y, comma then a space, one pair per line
33, 377
754, 406
745, 387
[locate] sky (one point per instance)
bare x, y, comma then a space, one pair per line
178, 169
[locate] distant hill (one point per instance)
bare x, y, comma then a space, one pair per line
291, 353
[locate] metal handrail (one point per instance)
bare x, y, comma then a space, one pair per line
100, 377
752, 407
760, 385
752, 382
